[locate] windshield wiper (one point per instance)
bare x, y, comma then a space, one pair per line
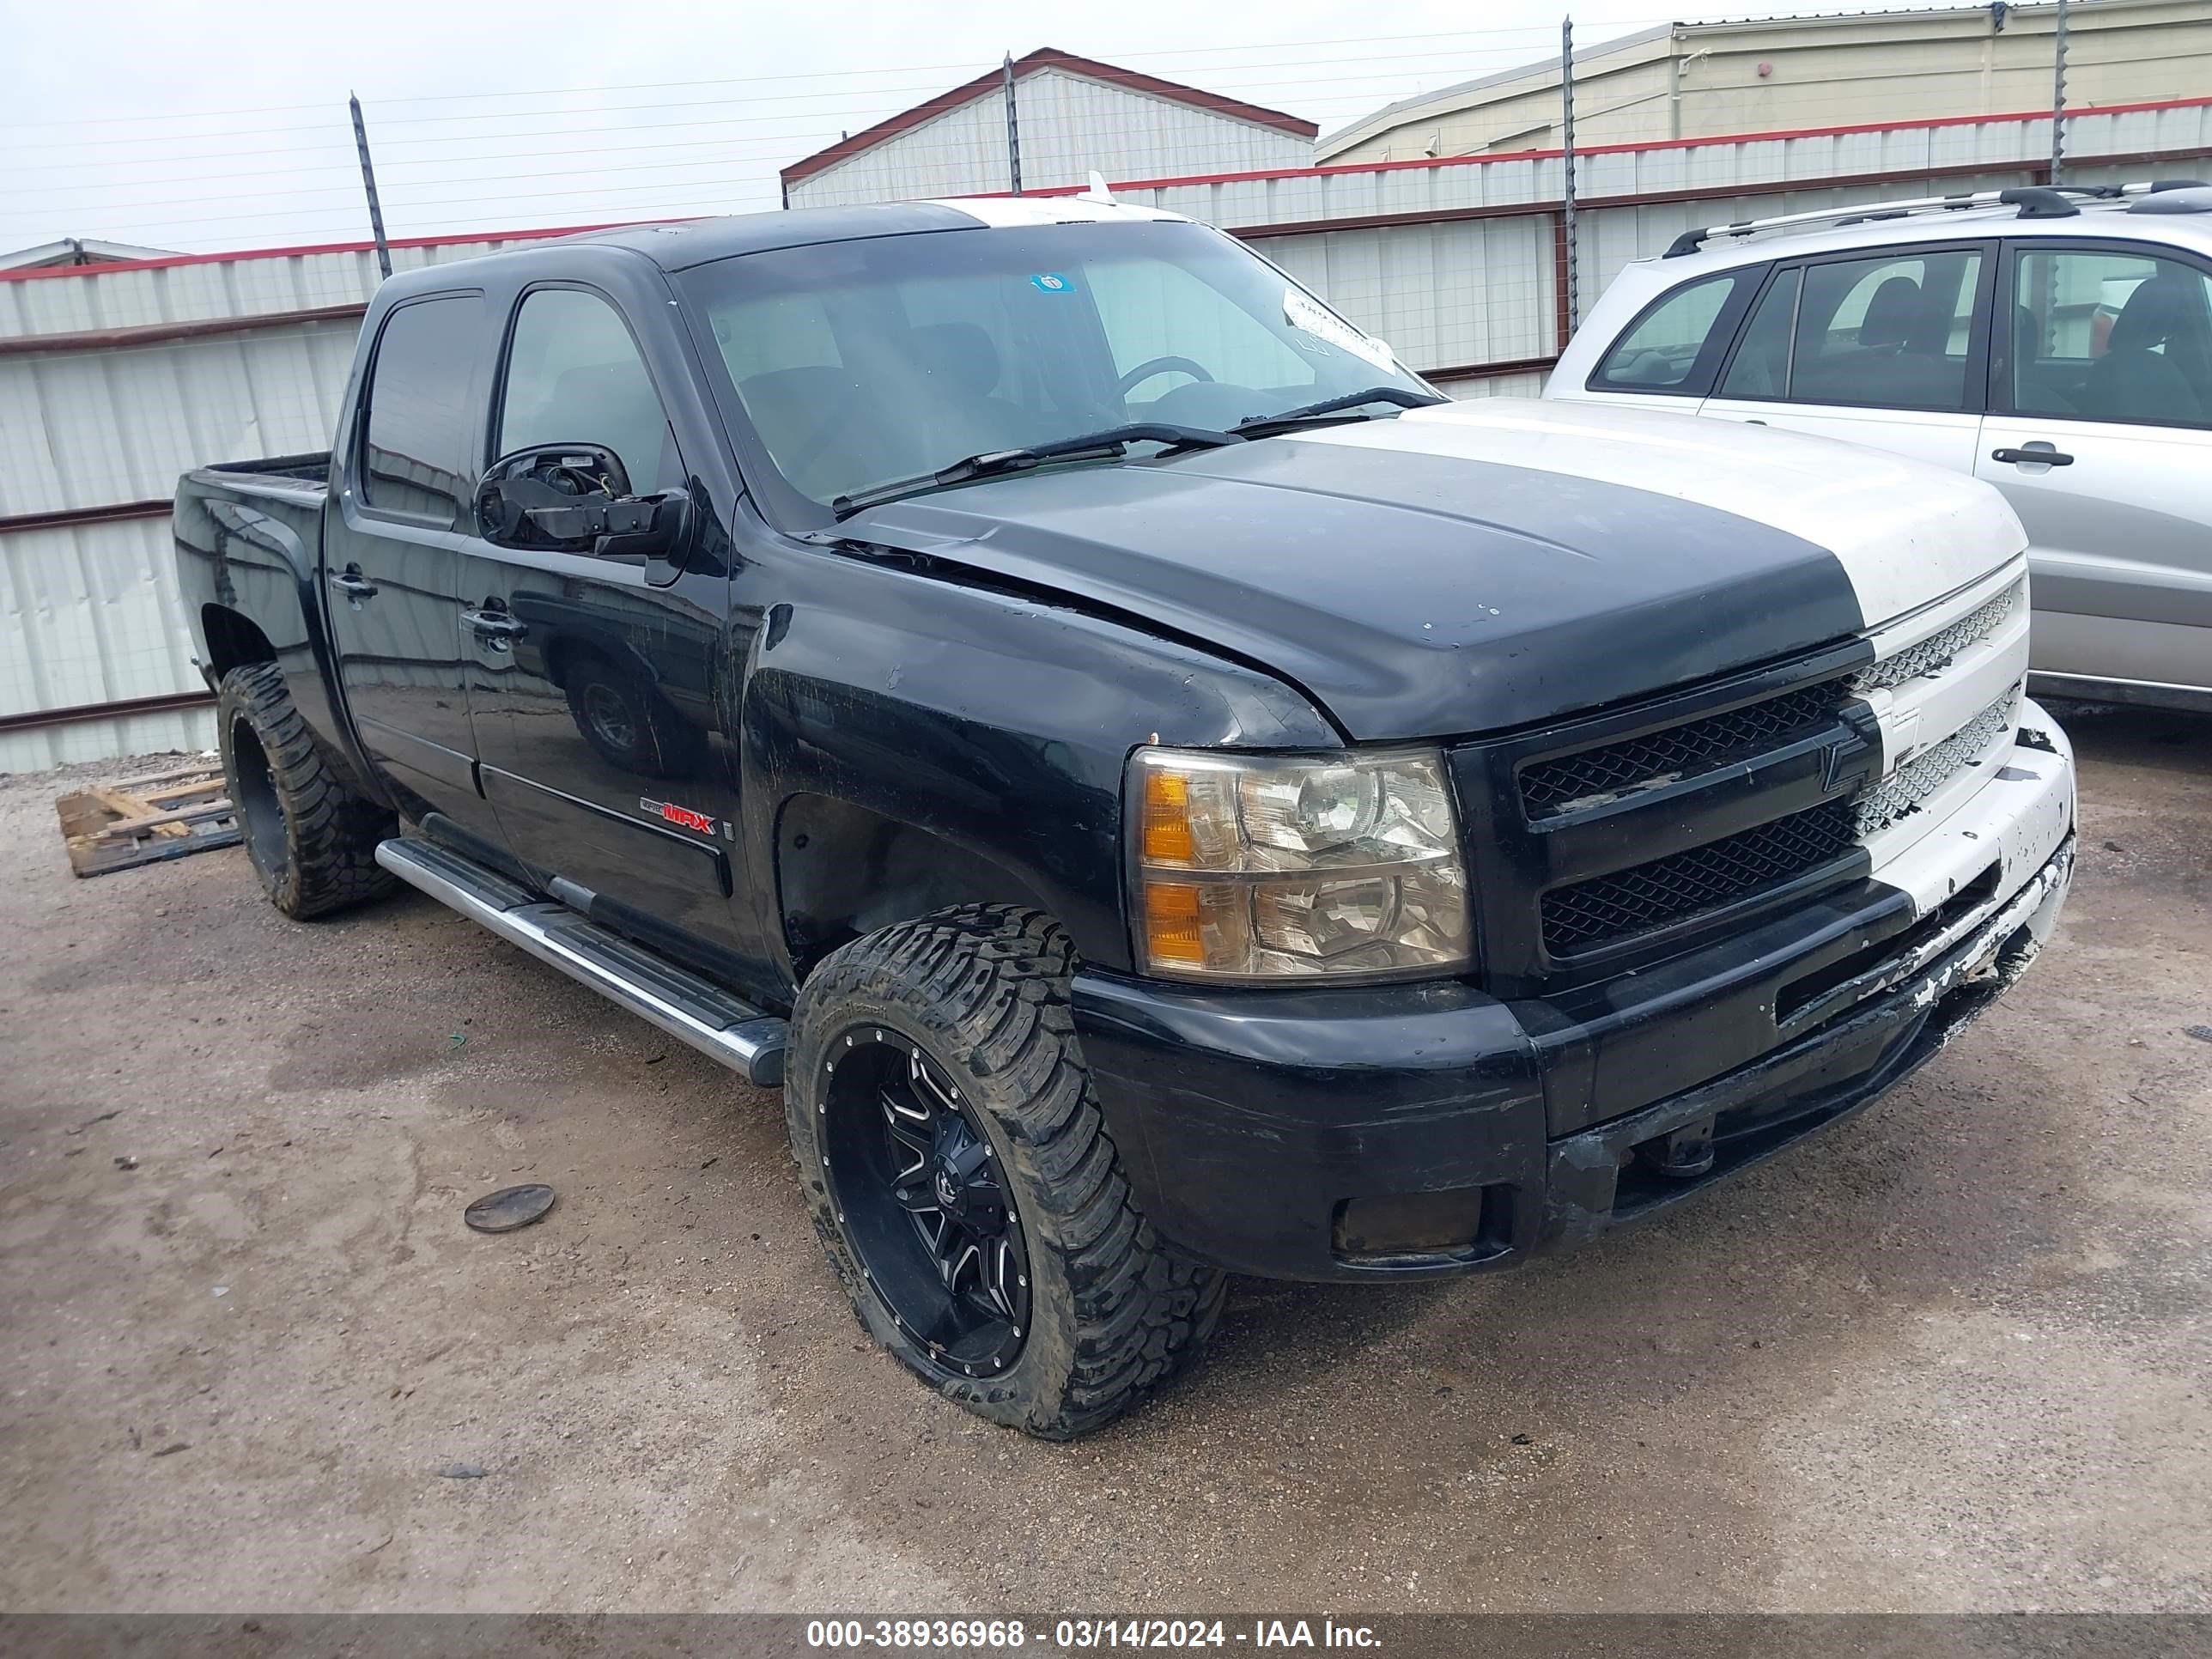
995, 463
1260, 426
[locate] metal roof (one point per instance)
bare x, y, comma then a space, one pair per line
1044, 58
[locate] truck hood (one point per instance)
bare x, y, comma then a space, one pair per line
1470, 567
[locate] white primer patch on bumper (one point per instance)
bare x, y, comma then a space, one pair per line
2020, 816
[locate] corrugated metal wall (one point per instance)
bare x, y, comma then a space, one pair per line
88, 610
1455, 263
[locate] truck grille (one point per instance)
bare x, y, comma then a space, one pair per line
1882, 804
1595, 776
1647, 896
1933, 652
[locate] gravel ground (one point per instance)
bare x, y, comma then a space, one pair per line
1956, 1357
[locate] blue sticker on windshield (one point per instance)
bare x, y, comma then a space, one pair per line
1051, 282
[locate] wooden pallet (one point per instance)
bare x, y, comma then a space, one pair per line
166, 815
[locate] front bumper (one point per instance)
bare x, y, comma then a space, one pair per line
1421, 1130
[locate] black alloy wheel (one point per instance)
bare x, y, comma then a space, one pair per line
919, 1196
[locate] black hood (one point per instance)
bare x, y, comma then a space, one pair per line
1410, 595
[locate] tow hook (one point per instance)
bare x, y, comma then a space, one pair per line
1683, 1155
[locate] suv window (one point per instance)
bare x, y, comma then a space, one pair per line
2100, 334
1888, 333
1672, 346
415, 458
573, 375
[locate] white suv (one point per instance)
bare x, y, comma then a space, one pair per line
2055, 343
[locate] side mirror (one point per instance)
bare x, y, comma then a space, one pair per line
575, 497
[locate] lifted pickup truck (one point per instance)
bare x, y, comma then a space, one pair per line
1163, 792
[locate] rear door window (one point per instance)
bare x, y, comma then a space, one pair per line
1674, 346
1899, 331
417, 456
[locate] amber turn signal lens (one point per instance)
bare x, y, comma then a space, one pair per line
1167, 838
1171, 929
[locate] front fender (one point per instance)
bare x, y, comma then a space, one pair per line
999, 724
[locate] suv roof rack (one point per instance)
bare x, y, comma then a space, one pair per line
2033, 201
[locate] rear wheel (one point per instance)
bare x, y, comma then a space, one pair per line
964, 1184
311, 840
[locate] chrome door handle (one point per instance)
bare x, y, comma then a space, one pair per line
495, 624
350, 582
2043, 456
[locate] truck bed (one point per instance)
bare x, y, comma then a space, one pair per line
295, 477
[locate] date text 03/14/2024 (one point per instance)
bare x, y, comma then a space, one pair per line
1085, 1634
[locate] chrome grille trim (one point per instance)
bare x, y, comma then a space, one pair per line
1882, 804
1939, 648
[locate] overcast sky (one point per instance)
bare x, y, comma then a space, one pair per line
223, 124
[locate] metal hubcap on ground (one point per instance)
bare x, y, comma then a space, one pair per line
921, 1198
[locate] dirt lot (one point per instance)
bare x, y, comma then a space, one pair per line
1958, 1356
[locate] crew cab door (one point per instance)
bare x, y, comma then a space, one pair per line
1885, 349
394, 547
594, 675
2099, 434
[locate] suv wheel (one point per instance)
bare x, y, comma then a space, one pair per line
963, 1184
311, 840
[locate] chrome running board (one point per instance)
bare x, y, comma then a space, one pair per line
689, 1007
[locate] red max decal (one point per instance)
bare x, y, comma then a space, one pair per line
683, 816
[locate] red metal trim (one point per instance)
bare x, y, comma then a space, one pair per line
80, 271
64, 518
1705, 192
1043, 58
1328, 168
303, 251
168, 702
102, 339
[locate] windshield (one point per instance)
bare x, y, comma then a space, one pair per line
862, 362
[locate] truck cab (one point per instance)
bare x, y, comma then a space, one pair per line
1161, 791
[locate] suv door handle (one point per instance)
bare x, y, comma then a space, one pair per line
495, 624
350, 582
2036, 454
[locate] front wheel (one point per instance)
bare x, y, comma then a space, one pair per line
964, 1184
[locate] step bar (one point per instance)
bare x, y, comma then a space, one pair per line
690, 1008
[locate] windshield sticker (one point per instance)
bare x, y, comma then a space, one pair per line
1051, 282
1307, 315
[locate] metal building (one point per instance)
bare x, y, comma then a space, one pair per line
1702, 80
1051, 118
115, 378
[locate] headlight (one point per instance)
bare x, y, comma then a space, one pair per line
1262, 867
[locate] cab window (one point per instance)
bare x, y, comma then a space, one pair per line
574, 376
414, 455
2102, 334
1674, 346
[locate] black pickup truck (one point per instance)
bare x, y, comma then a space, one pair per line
1163, 792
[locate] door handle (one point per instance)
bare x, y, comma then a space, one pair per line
495, 624
2034, 454
350, 582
